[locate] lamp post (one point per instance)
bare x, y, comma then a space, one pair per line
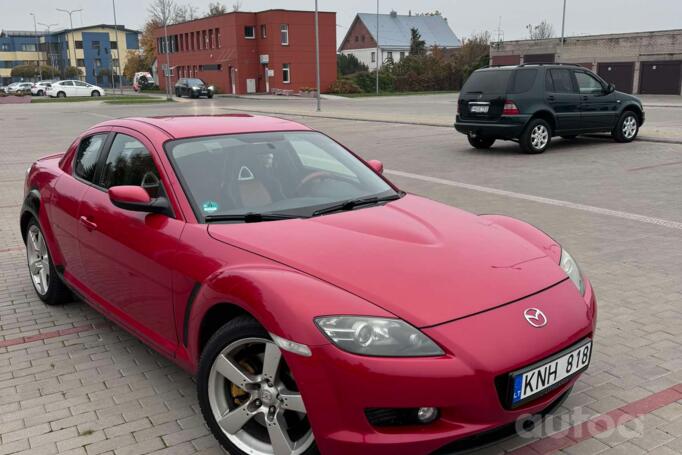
70, 13
47, 44
118, 53
377, 59
35, 30
317, 57
167, 50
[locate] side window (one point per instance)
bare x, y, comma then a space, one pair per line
130, 163
67, 83
549, 85
588, 83
562, 81
87, 156
523, 80
80, 84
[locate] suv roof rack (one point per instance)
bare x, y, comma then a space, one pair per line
550, 63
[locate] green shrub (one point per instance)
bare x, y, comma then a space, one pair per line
344, 86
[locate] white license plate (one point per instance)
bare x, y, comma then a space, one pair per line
479, 108
537, 379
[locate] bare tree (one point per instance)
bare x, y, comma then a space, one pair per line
543, 30
215, 9
237, 6
184, 13
162, 12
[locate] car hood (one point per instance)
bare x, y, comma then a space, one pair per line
423, 261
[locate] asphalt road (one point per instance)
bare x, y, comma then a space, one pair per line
616, 207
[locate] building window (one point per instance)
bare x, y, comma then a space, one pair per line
204, 39
98, 62
114, 44
402, 55
263, 31
217, 34
286, 73
80, 62
389, 56
249, 32
28, 47
94, 44
5, 47
211, 43
115, 63
211, 67
374, 57
284, 34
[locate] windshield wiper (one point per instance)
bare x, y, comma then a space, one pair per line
353, 203
251, 217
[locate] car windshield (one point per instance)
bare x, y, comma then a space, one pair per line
193, 82
286, 173
487, 81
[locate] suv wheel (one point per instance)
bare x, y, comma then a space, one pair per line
480, 142
627, 127
536, 137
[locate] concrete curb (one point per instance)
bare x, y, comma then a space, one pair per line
399, 122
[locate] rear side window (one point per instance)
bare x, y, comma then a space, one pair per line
523, 80
562, 81
87, 156
130, 163
487, 81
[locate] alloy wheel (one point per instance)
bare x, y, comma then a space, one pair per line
539, 137
629, 127
255, 401
38, 260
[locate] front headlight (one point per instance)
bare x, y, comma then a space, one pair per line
377, 336
571, 268
195, 88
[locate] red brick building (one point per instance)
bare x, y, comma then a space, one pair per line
243, 52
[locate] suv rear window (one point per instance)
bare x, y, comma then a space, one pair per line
523, 80
487, 81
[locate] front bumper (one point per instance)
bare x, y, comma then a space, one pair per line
337, 386
506, 127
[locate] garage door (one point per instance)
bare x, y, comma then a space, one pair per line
620, 74
662, 78
538, 58
505, 60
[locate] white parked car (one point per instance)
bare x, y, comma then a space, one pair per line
63, 89
40, 88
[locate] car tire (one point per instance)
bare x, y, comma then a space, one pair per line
46, 282
627, 127
178, 94
479, 142
240, 339
209, 96
95, 93
536, 137
40, 93
61, 95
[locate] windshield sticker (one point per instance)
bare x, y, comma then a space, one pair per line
209, 206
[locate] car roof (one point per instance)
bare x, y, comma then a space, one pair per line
184, 126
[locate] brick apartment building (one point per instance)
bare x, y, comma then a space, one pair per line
246, 52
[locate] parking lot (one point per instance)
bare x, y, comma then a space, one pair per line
70, 382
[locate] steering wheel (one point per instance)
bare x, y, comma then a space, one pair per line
317, 175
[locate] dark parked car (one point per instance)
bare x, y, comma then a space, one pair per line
532, 103
194, 88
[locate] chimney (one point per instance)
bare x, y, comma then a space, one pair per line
394, 13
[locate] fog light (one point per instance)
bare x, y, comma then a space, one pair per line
427, 415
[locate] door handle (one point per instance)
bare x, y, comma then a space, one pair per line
550, 97
89, 225
585, 97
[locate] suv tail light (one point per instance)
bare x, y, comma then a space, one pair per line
510, 108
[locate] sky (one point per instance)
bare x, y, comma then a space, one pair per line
465, 17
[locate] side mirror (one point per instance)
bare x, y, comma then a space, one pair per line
377, 165
610, 88
136, 199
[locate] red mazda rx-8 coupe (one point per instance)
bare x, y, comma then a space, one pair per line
321, 308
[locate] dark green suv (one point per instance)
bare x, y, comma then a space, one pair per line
532, 103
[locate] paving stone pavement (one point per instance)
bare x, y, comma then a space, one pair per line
73, 383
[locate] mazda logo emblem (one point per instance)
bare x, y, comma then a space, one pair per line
535, 317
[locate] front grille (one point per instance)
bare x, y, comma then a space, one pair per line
392, 417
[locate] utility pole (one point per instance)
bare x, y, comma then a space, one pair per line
73, 38
118, 54
563, 23
35, 29
167, 50
317, 57
47, 45
377, 59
